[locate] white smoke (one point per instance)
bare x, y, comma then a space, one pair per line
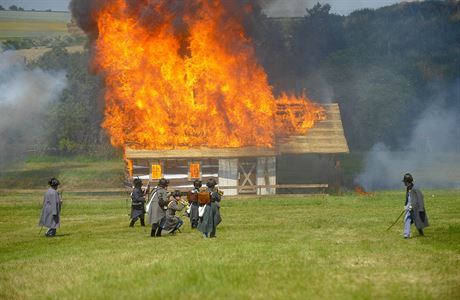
431, 154
25, 96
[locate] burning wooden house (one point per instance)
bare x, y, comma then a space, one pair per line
245, 170
186, 97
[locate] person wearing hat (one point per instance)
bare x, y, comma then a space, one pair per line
194, 217
137, 202
172, 222
211, 214
414, 206
156, 207
51, 211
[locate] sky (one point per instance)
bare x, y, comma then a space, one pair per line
276, 8
297, 8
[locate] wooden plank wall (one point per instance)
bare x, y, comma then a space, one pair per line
176, 171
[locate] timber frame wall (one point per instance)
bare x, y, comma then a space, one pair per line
248, 170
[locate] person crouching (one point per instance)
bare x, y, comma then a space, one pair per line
172, 222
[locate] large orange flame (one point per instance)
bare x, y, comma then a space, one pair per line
168, 89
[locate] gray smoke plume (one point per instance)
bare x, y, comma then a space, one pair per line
25, 96
431, 154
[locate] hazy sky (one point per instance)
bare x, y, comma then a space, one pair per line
281, 8
37, 4
276, 8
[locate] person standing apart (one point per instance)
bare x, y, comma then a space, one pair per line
415, 208
51, 211
156, 207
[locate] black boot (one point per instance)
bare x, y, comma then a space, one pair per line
131, 224
142, 222
420, 231
154, 228
158, 231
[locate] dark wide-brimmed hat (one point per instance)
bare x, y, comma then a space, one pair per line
211, 183
197, 183
53, 182
163, 182
408, 178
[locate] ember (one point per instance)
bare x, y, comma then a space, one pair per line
199, 85
361, 191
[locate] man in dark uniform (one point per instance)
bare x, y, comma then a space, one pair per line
51, 211
414, 206
157, 206
194, 203
137, 202
211, 215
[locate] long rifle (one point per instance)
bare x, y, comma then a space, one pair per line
396, 219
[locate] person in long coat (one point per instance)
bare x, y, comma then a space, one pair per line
172, 222
415, 208
211, 214
50, 216
194, 217
156, 207
138, 202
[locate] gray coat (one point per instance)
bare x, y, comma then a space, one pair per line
171, 219
156, 209
211, 216
137, 203
418, 212
51, 211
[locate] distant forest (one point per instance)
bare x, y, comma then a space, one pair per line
384, 67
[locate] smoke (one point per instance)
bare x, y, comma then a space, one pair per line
25, 96
431, 154
151, 14
320, 89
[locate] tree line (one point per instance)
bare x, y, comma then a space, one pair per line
383, 67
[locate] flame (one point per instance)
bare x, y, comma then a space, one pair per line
129, 166
361, 191
170, 88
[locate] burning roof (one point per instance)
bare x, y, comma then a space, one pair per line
183, 74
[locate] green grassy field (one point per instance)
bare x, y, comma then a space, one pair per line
73, 172
17, 24
317, 247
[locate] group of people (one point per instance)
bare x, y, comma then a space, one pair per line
162, 208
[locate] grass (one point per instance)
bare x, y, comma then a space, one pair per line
318, 247
73, 172
17, 24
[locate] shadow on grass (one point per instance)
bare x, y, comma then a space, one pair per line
56, 236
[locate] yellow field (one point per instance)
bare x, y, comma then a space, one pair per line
32, 24
34, 53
